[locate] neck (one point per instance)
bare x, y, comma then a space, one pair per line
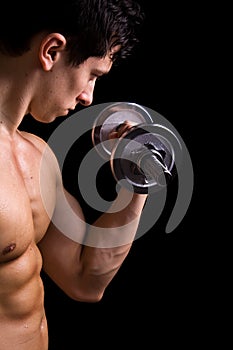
14, 96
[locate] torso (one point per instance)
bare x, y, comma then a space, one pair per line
23, 222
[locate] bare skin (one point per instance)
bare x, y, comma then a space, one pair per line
23, 222
29, 239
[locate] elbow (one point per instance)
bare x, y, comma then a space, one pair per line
85, 296
92, 299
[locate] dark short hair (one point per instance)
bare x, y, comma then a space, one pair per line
91, 27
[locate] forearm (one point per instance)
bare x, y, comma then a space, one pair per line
109, 240
119, 224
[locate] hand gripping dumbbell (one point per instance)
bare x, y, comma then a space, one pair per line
144, 155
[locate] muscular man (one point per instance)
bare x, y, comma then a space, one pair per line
50, 58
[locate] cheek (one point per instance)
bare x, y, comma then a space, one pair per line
51, 102
75, 85
77, 81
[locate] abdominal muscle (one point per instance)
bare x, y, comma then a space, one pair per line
23, 222
23, 323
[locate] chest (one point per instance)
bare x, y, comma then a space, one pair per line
36, 172
27, 196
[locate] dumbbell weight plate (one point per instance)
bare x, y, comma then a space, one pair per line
122, 157
111, 117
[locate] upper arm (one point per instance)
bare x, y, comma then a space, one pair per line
61, 247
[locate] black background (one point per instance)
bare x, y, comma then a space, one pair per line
156, 295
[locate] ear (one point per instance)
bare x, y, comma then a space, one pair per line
50, 48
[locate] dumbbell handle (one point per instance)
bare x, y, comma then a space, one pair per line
151, 163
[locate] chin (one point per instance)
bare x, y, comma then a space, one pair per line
46, 119
43, 120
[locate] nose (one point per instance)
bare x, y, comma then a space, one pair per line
86, 97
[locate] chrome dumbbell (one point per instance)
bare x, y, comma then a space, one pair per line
144, 155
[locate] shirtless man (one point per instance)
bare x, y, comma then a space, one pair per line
46, 69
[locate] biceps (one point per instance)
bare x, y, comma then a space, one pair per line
68, 217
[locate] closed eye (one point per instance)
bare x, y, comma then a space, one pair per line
98, 73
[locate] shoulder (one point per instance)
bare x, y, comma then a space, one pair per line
40, 144
37, 141
43, 148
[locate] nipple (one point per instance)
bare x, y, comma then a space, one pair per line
8, 249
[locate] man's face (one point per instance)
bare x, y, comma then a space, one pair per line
66, 86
